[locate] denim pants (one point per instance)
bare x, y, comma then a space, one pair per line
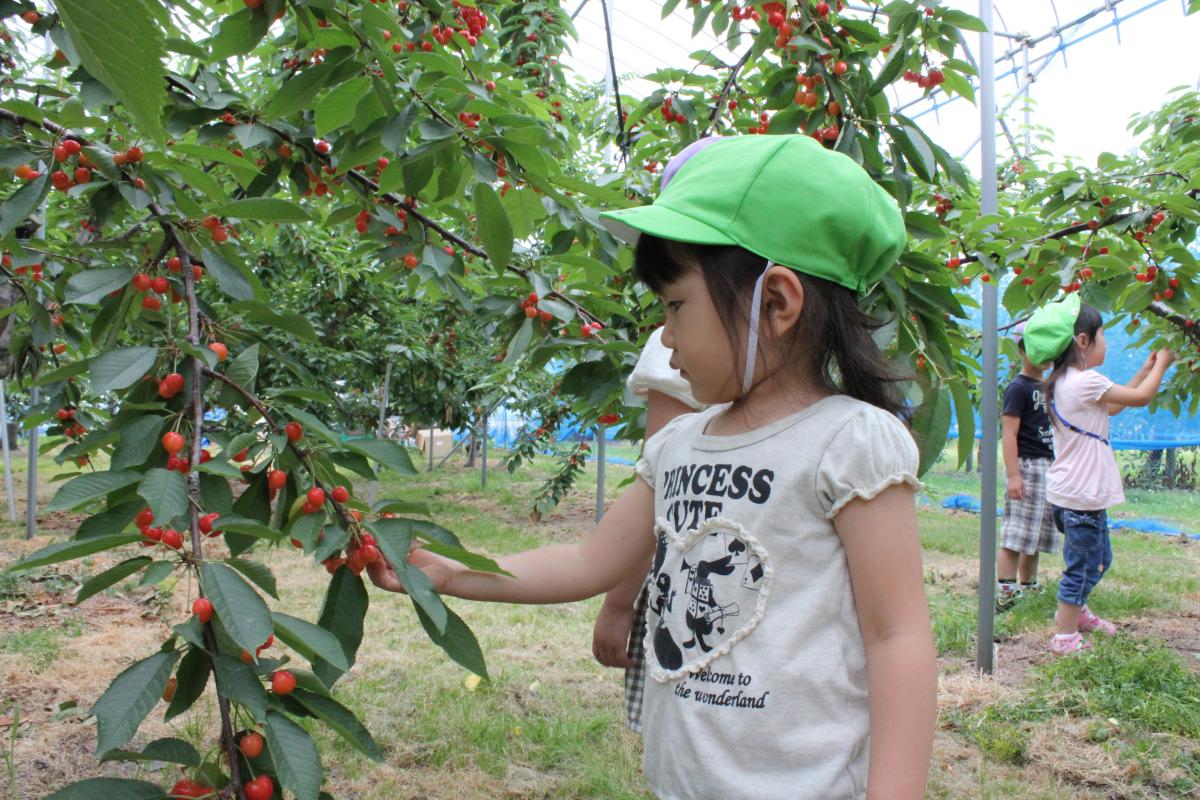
1086, 550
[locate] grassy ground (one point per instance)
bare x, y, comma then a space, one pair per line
1122, 721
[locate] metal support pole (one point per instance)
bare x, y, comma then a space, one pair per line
483, 469
600, 462
431, 429
8, 479
31, 476
373, 486
987, 455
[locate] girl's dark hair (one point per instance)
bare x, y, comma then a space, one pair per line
830, 345
1089, 321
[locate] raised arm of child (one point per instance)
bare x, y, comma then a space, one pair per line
620, 544
883, 552
1134, 383
1142, 392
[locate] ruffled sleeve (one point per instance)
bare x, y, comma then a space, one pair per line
871, 452
647, 465
654, 372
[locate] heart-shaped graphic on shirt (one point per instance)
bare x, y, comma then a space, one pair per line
708, 591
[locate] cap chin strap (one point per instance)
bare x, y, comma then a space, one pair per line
752, 343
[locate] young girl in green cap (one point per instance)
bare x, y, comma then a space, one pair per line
1084, 480
788, 639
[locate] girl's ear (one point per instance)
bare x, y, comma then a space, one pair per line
1083, 341
783, 301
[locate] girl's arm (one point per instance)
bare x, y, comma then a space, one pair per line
610, 635
1144, 392
1147, 365
883, 551
621, 543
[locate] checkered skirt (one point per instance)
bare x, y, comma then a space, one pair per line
1028, 525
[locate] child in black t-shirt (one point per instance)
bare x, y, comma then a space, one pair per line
1028, 445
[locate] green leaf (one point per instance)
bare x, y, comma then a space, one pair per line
110, 577
21, 203
129, 698
393, 542
93, 285
166, 492
190, 681
456, 639
341, 720
242, 612
311, 424
963, 20
247, 527
495, 231
475, 561
239, 33
110, 521
520, 342
109, 789
233, 280
138, 440
170, 750
121, 367
298, 91
264, 208
120, 45
338, 107
260, 574
297, 761
309, 640
237, 681
930, 425
345, 607
91, 486
305, 529
157, 573
386, 452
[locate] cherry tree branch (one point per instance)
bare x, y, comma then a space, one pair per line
729, 84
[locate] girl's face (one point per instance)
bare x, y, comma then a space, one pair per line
1095, 351
700, 348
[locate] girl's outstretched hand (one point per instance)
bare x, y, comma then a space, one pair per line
439, 570
1165, 355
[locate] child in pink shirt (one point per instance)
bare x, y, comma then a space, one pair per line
1084, 480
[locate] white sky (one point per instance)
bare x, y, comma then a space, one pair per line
1086, 100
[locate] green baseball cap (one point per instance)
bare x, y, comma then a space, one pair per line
1050, 329
785, 198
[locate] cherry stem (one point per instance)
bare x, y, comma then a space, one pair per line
228, 743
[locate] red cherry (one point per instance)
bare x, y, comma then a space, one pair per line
242, 454
71, 146
294, 431
219, 235
206, 522
411, 261
61, 180
839, 68
339, 494
276, 479
202, 607
133, 155
160, 284
283, 682
172, 442
142, 282
270, 641
174, 380
189, 788
172, 539
220, 349
144, 518
261, 788
251, 745
322, 147
82, 175
316, 497
368, 554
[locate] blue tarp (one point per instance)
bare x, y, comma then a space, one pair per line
965, 502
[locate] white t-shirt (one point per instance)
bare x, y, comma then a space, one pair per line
653, 371
758, 670
1084, 475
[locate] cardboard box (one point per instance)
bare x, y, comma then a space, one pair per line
443, 442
